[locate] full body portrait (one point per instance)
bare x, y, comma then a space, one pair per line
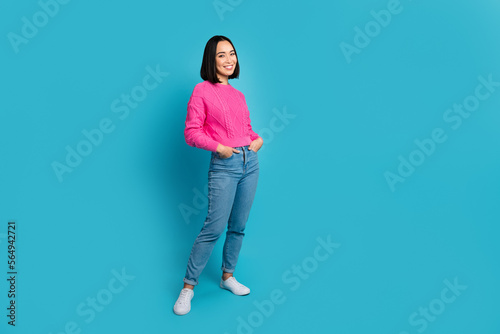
218, 120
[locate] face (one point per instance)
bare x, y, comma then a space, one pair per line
225, 59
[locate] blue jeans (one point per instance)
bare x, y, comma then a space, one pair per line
232, 183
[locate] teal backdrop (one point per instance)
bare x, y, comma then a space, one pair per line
377, 204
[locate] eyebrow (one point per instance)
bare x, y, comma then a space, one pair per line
224, 52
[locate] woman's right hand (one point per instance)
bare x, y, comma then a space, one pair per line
226, 151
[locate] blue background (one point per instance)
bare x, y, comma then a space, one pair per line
322, 172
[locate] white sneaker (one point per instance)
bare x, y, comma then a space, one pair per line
183, 304
234, 286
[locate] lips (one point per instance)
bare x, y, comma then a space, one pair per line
229, 67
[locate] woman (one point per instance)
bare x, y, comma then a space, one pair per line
218, 120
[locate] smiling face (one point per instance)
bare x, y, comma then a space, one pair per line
225, 60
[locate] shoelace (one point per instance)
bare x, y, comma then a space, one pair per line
238, 284
183, 298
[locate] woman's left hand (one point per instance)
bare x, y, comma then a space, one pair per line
256, 144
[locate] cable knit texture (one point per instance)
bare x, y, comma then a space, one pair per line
216, 114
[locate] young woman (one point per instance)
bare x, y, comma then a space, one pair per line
218, 120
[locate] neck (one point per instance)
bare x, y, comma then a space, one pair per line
224, 80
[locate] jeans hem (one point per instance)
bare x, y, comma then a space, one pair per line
229, 271
188, 281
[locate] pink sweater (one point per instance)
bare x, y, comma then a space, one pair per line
217, 113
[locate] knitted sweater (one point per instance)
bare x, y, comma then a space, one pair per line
217, 113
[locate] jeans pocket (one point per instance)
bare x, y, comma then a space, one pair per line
217, 155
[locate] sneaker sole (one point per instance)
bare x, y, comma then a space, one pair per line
183, 313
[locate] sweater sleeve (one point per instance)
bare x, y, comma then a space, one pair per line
194, 133
253, 134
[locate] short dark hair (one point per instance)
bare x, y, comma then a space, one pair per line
208, 68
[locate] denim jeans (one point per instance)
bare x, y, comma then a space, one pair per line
232, 183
